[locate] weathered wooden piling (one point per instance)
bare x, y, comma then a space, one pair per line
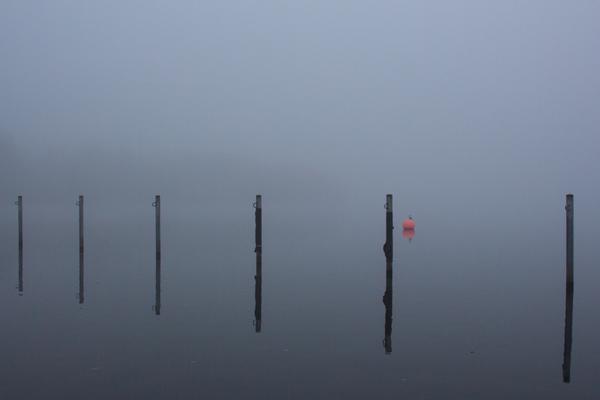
81, 252
80, 205
258, 275
568, 336
19, 204
570, 211
388, 247
388, 250
157, 288
156, 205
258, 223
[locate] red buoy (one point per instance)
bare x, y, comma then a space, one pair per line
408, 224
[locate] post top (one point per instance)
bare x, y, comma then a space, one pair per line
388, 203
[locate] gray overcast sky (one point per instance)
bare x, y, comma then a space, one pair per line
449, 94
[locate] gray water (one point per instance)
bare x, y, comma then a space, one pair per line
478, 308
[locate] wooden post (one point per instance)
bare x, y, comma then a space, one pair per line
157, 288
19, 203
570, 211
388, 250
80, 204
568, 336
388, 247
81, 260
156, 205
258, 223
258, 276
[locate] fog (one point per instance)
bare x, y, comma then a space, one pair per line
478, 116
445, 104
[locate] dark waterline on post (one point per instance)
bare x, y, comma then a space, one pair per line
157, 304
81, 258
20, 222
258, 275
569, 290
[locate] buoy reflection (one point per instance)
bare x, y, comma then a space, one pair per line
408, 234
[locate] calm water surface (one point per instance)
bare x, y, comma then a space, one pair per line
478, 307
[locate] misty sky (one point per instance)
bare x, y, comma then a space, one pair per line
424, 94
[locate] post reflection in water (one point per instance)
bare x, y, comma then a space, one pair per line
157, 288
258, 292
568, 335
20, 285
19, 204
388, 301
258, 275
566, 367
81, 281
